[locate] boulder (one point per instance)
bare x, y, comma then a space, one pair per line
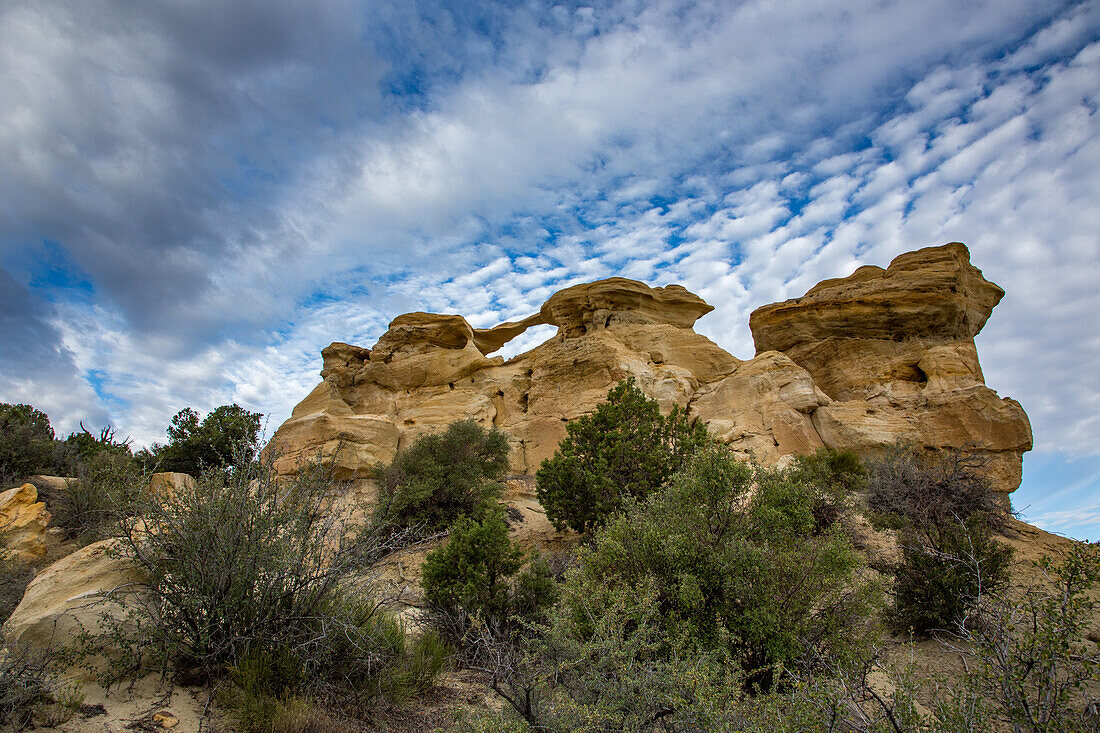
23, 523
167, 484
70, 597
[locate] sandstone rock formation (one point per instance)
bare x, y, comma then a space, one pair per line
69, 597
895, 349
858, 362
23, 523
168, 484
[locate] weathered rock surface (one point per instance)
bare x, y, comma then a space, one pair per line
70, 596
858, 362
168, 484
895, 349
23, 523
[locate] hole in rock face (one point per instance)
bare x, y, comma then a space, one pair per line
919, 375
451, 385
500, 393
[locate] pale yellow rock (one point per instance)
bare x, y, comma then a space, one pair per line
590, 307
931, 293
165, 719
167, 484
23, 523
70, 596
879, 357
354, 443
762, 410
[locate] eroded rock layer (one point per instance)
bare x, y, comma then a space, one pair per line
858, 362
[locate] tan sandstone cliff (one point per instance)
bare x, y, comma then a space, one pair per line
859, 362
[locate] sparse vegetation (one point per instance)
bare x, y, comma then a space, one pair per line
14, 577
945, 515
1030, 663
262, 576
625, 449
27, 684
441, 477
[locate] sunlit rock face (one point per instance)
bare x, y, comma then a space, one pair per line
859, 362
895, 349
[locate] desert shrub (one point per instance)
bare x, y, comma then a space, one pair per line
937, 584
105, 492
471, 572
26, 684
717, 584
946, 515
1028, 659
14, 578
836, 476
244, 563
26, 442
441, 477
226, 438
930, 491
626, 448
472, 580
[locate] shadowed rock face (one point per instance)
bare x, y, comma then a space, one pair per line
858, 362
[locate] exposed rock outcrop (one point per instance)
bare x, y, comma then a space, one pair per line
858, 362
895, 349
70, 596
23, 523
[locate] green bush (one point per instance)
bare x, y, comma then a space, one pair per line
244, 563
945, 514
937, 585
26, 442
472, 581
226, 438
626, 448
441, 477
471, 572
837, 475
718, 586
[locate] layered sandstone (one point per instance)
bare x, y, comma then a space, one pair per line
895, 349
858, 362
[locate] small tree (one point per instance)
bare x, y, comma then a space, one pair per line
473, 580
626, 448
442, 476
224, 438
26, 441
471, 572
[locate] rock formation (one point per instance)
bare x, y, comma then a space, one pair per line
23, 523
859, 362
895, 349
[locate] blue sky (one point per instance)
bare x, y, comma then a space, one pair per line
197, 197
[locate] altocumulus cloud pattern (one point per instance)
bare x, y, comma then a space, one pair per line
199, 196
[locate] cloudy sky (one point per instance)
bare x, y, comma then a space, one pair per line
197, 196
